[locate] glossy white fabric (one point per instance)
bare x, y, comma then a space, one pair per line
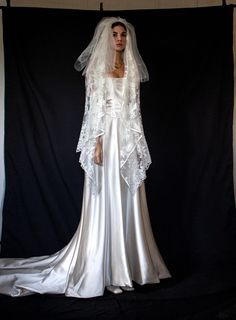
114, 243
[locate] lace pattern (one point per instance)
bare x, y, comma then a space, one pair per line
134, 153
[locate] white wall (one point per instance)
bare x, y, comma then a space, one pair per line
116, 4
2, 168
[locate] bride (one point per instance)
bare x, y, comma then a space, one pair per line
113, 246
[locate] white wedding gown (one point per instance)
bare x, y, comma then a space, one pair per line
113, 244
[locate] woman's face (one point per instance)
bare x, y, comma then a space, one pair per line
119, 38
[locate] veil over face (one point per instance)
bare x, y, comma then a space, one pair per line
99, 56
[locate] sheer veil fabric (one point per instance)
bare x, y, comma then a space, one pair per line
114, 243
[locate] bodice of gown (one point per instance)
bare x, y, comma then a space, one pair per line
114, 96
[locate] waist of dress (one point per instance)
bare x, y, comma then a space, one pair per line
113, 111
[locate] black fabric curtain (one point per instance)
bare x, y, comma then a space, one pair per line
187, 109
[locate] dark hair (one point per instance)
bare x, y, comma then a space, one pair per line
118, 23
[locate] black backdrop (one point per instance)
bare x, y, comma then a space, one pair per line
187, 109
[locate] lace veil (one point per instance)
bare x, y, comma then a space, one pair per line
96, 61
99, 55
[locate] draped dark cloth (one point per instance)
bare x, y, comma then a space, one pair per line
187, 110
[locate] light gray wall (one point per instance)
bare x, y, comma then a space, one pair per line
2, 168
116, 4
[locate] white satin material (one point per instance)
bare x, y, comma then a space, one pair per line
114, 243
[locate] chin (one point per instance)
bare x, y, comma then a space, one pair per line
120, 49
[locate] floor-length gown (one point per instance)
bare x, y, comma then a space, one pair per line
113, 244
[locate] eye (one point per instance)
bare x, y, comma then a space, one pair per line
123, 34
114, 34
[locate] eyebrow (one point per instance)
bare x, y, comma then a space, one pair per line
115, 32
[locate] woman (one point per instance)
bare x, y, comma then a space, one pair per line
114, 244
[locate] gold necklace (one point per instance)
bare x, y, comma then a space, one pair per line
118, 66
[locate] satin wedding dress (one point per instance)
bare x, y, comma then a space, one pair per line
113, 244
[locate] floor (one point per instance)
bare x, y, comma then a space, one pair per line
193, 298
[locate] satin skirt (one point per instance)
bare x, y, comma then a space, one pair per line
113, 244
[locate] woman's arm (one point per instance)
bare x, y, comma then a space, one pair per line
98, 154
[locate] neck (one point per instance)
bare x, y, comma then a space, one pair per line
118, 60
